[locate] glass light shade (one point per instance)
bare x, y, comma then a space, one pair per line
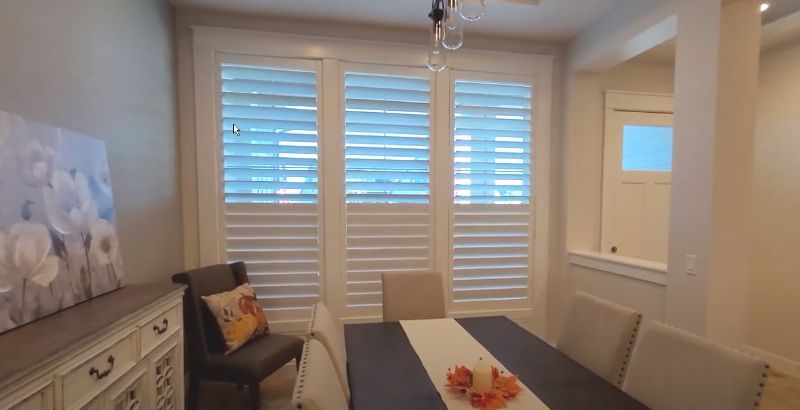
472, 10
454, 37
437, 59
451, 17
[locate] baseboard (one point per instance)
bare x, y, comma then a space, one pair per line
777, 362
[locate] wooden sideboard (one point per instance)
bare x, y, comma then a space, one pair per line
120, 351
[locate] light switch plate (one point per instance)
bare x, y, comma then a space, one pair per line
691, 265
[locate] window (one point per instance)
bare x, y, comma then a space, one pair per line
492, 193
646, 148
387, 180
352, 161
270, 177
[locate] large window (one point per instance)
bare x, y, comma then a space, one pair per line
492, 193
387, 172
341, 160
270, 176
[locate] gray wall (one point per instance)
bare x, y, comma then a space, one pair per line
105, 68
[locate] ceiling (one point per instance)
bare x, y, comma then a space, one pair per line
781, 25
556, 20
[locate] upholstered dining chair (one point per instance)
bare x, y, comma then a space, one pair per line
672, 369
325, 328
248, 365
317, 385
599, 335
412, 295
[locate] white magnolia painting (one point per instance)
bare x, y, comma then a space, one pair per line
58, 242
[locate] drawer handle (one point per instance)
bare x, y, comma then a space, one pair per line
101, 375
161, 330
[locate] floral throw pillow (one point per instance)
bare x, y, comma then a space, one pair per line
239, 316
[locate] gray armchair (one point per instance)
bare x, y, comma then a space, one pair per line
248, 365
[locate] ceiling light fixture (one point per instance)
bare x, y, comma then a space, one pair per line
437, 60
764, 7
447, 31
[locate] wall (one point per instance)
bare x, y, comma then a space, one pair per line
583, 159
774, 298
104, 68
188, 17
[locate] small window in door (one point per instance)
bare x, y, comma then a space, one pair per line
646, 148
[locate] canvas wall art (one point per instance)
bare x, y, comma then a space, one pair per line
58, 237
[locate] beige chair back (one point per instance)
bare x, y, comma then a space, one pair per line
328, 331
599, 335
317, 385
674, 370
412, 295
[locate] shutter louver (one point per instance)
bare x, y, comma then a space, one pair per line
270, 184
387, 167
492, 194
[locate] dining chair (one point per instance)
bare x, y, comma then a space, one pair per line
672, 369
599, 335
325, 328
206, 358
412, 295
317, 385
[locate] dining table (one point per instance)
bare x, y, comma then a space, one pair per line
385, 371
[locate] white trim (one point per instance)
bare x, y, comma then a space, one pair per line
207, 147
648, 271
639, 102
261, 43
330, 167
776, 362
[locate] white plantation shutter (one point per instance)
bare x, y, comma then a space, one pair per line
387, 167
271, 184
492, 194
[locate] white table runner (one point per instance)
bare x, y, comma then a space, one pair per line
442, 344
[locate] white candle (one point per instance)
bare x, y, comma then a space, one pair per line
482, 377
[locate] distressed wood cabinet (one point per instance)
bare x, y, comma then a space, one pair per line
120, 351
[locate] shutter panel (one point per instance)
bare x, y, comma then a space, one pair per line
387, 167
270, 184
492, 194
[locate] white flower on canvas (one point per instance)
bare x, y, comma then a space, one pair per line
105, 245
36, 163
25, 254
68, 203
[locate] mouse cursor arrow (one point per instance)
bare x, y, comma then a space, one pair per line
235, 130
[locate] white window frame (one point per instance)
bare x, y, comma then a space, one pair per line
209, 43
518, 309
375, 68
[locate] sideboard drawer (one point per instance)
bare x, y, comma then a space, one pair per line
159, 328
89, 378
42, 400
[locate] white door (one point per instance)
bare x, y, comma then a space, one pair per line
637, 176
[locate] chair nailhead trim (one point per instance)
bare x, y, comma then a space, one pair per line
629, 350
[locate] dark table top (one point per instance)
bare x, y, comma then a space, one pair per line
385, 372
